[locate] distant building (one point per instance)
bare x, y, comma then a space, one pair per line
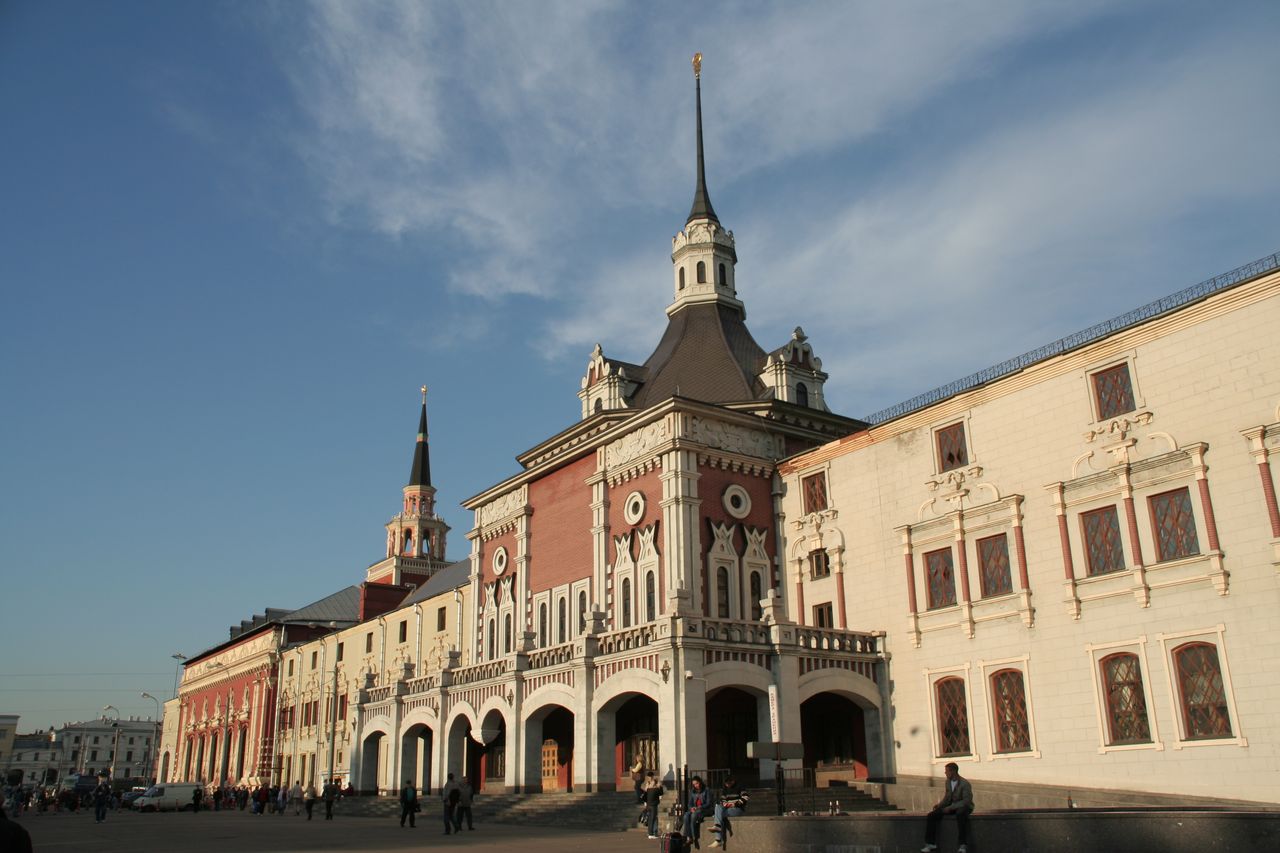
124, 748
8, 730
35, 757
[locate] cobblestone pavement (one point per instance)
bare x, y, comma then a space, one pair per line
241, 832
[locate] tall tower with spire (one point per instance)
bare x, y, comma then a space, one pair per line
416, 535
703, 253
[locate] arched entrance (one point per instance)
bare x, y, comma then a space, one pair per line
635, 735
732, 722
479, 754
415, 757
549, 751
833, 730
371, 769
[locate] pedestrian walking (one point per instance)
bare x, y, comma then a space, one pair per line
449, 796
408, 803
196, 796
295, 797
310, 798
330, 794
101, 799
463, 808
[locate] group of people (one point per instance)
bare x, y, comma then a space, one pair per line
731, 802
272, 799
455, 797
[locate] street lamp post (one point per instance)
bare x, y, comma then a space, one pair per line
179, 657
115, 745
154, 752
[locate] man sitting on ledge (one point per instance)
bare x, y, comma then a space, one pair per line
957, 799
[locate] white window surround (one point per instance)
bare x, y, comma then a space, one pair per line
736, 501
1130, 359
989, 668
825, 470
633, 507
931, 678
1096, 653
970, 454
1214, 635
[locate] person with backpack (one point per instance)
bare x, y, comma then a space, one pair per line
408, 804
450, 796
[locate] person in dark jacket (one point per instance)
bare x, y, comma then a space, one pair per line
14, 837
652, 794
957, 800
101, 799
408, 803
733, 802
699, 805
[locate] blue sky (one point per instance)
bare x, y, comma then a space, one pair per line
238, 236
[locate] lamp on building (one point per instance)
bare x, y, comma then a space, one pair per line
155, 738
179, 657
666, 671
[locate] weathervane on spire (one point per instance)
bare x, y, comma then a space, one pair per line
697, 65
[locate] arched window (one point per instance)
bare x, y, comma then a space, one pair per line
682, 278
756, 595
542, 624
582, 613
650, 598
1200, 691
626, 603
722, 592
702, 272
953, 717
802, 394
408, 543
506, 634
562, 621
599, 406
493, 639
1126, 701
720, 280
1009, 702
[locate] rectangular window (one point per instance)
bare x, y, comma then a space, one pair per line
1009, 703
1126, 700
93, 755
339, 656
823, 616
993, 557
368, 643
291, 667
952, 452
440, 617
819, 564
128, 756
1175, 525
941, 578
814, 488
315, 656
1102, 547
1113, 392
404, 630
342, 707
953, 717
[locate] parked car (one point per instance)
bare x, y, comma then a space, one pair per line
128, 797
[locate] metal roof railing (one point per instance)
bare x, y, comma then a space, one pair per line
1196, 292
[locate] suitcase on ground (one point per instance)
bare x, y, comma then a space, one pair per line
673, 842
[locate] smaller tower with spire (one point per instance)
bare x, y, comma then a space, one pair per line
703, 254
416, 535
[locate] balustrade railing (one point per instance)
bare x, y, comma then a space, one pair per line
381, 694
831, 640
480, 672
627, 639
553, 656
423, 684
734, 631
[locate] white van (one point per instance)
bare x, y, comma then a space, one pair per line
169, 795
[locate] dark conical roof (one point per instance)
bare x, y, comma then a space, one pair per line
706, 354
420, 474
702, 208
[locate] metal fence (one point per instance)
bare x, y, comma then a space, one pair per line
1196, 292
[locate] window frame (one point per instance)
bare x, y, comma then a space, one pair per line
819, 556
940, 465
1097, 653
983, 593
826, 609
1215, 636
932, 677
1155, 526
806, 504
930, 604
1128, 359
989, 668
1126, 558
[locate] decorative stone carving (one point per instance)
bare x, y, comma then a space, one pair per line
732, 438
501, 507
637, 444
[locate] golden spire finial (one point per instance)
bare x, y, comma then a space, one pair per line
697, 65
424, 395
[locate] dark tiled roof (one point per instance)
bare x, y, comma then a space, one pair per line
342, 606
706, 354
450, 577
420, 473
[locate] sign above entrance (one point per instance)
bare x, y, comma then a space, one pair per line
774, 750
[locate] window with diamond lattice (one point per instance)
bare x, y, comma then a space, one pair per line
815, 493
1204, 701
1113, 391
993, 557
1009, 703
953, 717
1175, 525
819, 564
941, 577
1126, 702
1103, 550
951, 448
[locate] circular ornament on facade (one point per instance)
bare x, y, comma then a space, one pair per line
736, 501
499, 560
633, 508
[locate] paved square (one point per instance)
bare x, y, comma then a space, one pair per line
241, 832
